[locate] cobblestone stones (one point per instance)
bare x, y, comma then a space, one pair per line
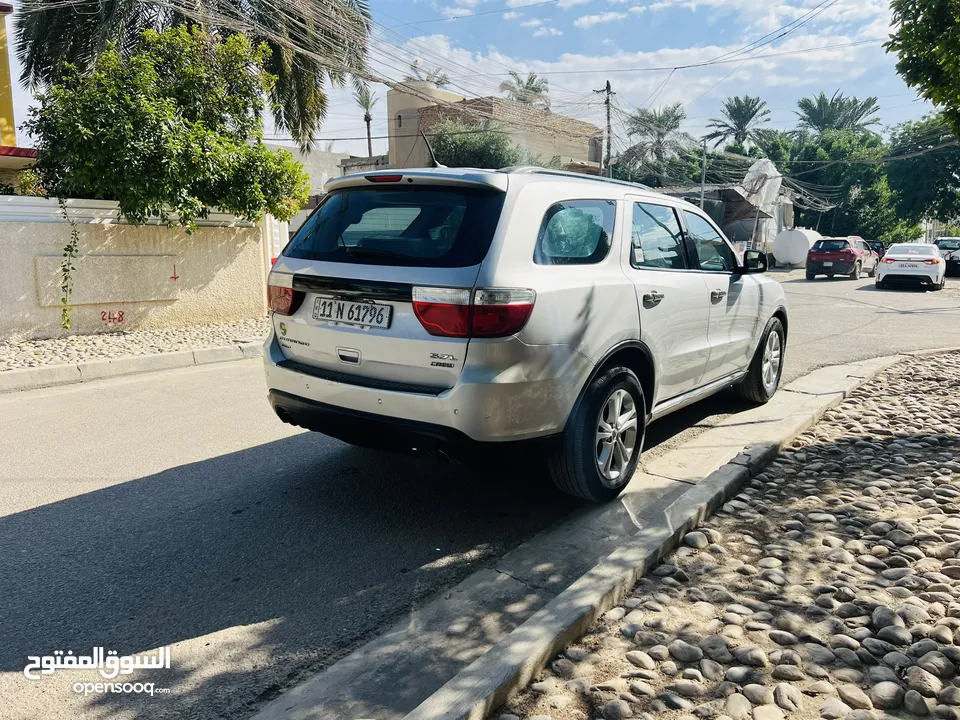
828, 588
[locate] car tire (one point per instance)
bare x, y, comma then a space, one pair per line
576, 466
940, 285
763, 379
880, 285
811, 276
873, 271
856, 272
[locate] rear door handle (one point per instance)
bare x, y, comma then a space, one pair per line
718, 295
652, 298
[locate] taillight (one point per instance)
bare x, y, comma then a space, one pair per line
932, 261
499, 313
284, 300
493, 312
384, 178
444, 312
888, 260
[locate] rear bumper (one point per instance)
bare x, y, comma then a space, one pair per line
838, 268
918, 277
505, 393
389, 433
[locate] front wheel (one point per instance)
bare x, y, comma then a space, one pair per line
603, 439
763, 377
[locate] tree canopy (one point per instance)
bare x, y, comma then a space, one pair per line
173, 126
530, 90
52, 36
927, 186
741, 121
926, 40
484, 145
821, 113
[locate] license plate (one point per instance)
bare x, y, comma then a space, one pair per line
828, 264
353, 313
909, 265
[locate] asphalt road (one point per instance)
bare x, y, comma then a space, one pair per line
174, 509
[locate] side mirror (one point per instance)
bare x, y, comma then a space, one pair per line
754, 261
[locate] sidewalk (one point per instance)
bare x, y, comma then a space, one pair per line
830, 587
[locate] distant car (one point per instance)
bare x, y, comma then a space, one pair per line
849, 256
912, 263
878, 247
950, 250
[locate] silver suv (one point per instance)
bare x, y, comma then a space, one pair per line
458, 311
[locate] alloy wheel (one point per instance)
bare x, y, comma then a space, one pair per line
772, 355
617, 433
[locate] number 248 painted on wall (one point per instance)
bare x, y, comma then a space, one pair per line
112, 317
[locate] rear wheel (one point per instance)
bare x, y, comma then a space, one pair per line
941, 284
880, 284
810, 275
604, 438
763, 377
873, 271
857, 270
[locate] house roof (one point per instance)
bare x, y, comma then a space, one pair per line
9, 151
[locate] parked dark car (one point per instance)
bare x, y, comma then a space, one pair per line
849, 256
878, 247
950, 250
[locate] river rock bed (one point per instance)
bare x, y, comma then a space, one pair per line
828, 588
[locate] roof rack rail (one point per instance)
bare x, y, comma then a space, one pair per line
537, 170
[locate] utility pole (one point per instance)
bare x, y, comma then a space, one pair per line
605, 163
703, 174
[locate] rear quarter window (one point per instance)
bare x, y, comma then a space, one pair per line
576, 232
831, 245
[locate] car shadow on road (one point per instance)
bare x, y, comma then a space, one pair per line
323, 545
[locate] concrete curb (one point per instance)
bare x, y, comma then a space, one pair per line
53, 375
512, 663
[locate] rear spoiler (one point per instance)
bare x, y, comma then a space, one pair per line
485, 179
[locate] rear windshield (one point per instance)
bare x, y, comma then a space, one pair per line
418, 226
831, 245
925, 250
948, 244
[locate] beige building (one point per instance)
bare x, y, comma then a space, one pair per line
542, 133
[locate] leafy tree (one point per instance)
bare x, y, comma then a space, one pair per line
659, 134
366, 100
331, 37
741, 119
821, 113
530, 90
435, 76
927, 186
485, 145
926, 40
172, 126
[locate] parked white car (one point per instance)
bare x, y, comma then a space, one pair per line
912, 263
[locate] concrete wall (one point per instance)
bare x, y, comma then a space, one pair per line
155, 276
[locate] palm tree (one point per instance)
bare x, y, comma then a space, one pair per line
530, 90
366, 100
331, 47
741, 119
436, 76
821, 113
659, 133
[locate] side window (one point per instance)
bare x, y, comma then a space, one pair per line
713, 251
656, 240
575, 232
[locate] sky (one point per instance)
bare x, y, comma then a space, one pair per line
811, 46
